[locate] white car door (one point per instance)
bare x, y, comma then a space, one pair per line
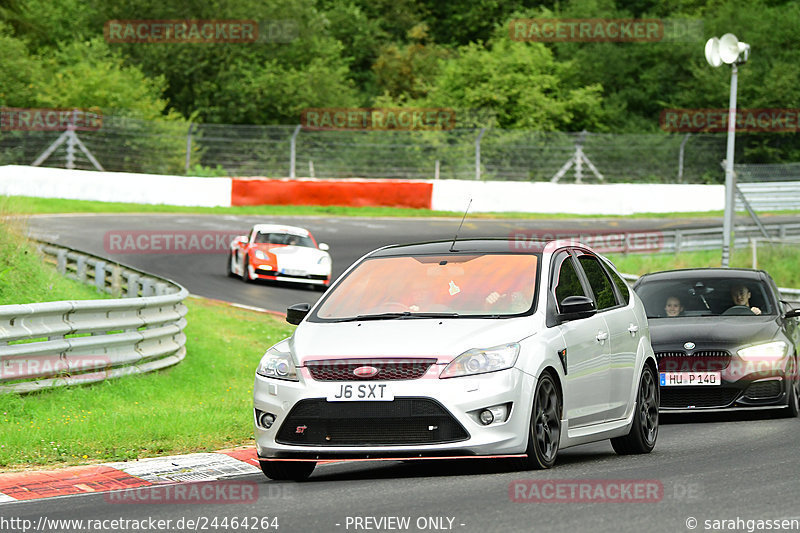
586, 360
623, 330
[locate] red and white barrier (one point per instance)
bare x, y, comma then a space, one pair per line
445, 195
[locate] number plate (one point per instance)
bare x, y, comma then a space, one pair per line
293, 272
361, 392
673, 379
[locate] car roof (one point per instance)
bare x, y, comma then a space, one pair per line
280, 228
482, 245
705, 273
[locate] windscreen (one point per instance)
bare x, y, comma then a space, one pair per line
284, 238
483, 284
705, 297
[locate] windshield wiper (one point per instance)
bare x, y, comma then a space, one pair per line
393, 316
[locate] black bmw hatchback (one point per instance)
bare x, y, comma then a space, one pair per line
723, 340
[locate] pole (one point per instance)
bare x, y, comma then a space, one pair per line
188, 148
293, 151
478, 154
727, 223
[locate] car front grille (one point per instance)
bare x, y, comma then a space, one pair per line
387, 369
699, 361
404, 421
688, 397
764, 389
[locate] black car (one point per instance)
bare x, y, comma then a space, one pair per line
723, 339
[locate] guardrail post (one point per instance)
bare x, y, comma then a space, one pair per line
133, 286
100, 275
147, 287
116, 280
80, 268
678, 241
161, 289
61, 261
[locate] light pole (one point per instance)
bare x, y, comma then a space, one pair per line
728, 49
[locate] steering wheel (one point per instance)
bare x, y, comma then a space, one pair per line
738, 310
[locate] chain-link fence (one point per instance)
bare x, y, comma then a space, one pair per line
162, 147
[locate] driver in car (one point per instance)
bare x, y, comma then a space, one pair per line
741, 297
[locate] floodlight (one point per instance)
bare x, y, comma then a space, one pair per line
712, 52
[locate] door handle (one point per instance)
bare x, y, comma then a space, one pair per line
632, 329
602, 336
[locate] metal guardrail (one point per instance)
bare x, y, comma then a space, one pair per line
44, 345
770, 196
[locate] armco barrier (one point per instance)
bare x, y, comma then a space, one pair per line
52, 344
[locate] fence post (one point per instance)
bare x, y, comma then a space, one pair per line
293, 151
680, 157
189, 147
436, 171
478, 154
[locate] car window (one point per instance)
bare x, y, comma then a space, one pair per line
567, 282
469, 285
703, 297
598, 279
624, 290
285, 239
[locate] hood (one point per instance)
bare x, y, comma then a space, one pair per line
709, 333
294, 255
443, 339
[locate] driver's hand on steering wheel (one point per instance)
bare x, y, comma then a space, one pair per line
755, 310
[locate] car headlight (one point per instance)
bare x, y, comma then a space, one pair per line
481, 361
770, 351
324, 260
261, 255
277, 364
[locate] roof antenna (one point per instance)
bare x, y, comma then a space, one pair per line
459, 226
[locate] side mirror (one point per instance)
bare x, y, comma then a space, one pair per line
296, 313
792, 313
324, 247
576, 307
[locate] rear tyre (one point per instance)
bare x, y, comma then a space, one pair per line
794, 390
287, 470
231, 272
644, 431
544, 432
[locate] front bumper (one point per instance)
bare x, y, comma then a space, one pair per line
460, 399
761, 389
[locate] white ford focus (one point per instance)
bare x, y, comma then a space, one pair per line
460, 348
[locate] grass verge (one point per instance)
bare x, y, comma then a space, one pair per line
202, 404
25, 278
30, 205
779, 260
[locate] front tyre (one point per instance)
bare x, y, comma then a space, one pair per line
288, 470
793, 400
545, 428
644, 431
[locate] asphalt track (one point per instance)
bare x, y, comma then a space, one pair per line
737, 467
350, 238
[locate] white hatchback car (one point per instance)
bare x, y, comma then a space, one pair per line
460, 348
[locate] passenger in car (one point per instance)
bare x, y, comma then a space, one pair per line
741, 297
673, 307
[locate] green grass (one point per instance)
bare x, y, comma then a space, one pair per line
30, 205
25, 278
202, 404
780, 261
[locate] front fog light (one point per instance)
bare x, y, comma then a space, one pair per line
265, 420
493, 415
